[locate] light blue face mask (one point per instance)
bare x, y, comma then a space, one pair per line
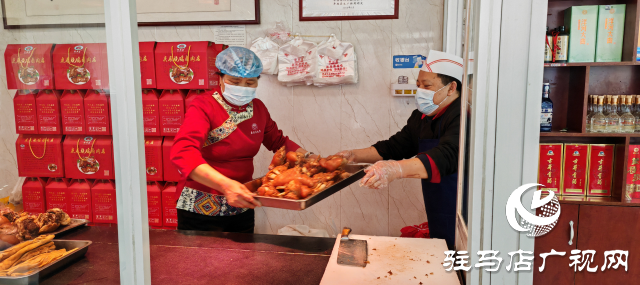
424, 100
238, 95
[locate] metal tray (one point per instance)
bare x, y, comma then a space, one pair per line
75, 223
34, 278
356, 170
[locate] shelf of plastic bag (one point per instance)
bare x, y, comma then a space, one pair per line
403, 90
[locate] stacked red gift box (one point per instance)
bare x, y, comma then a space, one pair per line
63, 115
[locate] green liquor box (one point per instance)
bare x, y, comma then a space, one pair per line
582, 24
610, 33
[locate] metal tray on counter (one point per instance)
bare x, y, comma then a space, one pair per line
356, 170
75, 223
40, 273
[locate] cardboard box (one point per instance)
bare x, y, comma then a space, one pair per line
151, 112
33, 197
72, 110
576, 160
93, 161
154, 203
187, 65
56, 194
550, 167
153, 158
147, 64
79, 200
600, 175
97, 113
633, 161
81, 66
39, 156
193, 94
171, 111
581, 22
103, 197
29, 66
26, 116
169, 202
48, 109
170, 171
610, 32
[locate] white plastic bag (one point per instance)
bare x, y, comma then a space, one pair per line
297, 62
301, 230
15, 197
267, 51
279, 34
336, 63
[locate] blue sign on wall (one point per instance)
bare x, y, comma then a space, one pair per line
408, 61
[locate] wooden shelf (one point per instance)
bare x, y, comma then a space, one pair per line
589, 135
621, 63
611, 202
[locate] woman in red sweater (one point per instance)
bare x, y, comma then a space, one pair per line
214, 149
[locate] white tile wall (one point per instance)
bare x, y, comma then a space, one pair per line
323, 120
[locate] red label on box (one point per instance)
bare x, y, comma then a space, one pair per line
171, 111
187, 65
154, 202
147, 65
550, 167
48, 109
56, 194
88, 157
103, 196
574, 181
29, 66
153, 158
81, 66
39, 156
150, 112
98, 119
170, 212
33, 197
170, 171
600, 170
72, 110
26, 117
79, 200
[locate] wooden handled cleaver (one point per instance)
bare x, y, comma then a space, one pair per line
352, 251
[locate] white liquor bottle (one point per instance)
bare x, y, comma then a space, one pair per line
599, 120
627, 120
613, 119
591, 110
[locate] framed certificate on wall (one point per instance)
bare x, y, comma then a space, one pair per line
87, 13
337, 10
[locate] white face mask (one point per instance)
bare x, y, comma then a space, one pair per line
238, 95
424, 100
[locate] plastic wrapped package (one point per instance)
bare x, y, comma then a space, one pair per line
336, 63
279, 34
267, 51
297, 62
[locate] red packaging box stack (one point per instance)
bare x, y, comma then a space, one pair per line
88, 157
33, 197
633, 161
103, 197
171, 111
72, 112
153, 158
170, 171
97, 113
26, 116
56, 192
187, 65
39, 156
150, 112
550, 167
79, 199
81, 66
147, 64
600, 169
48, 109
576, 157
29, 66
154, 203
170, 213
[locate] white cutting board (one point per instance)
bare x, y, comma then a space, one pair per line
406, 258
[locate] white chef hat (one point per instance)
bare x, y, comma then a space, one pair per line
444, 63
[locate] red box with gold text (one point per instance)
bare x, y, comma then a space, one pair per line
56, 193
633, 162
147, 65
150, 112
153, 158
154, 203
576, 160
72, 110
81, 66
103, 197
25, 111
40, 156
48, 109
29, 66
97, 112
33, 197
88, 157
170, 213
187, 65
171, 111
79, 200
600, 175
550, 167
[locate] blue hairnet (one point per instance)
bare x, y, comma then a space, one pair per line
239, 62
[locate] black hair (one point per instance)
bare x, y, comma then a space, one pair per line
222, 74
446, 79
